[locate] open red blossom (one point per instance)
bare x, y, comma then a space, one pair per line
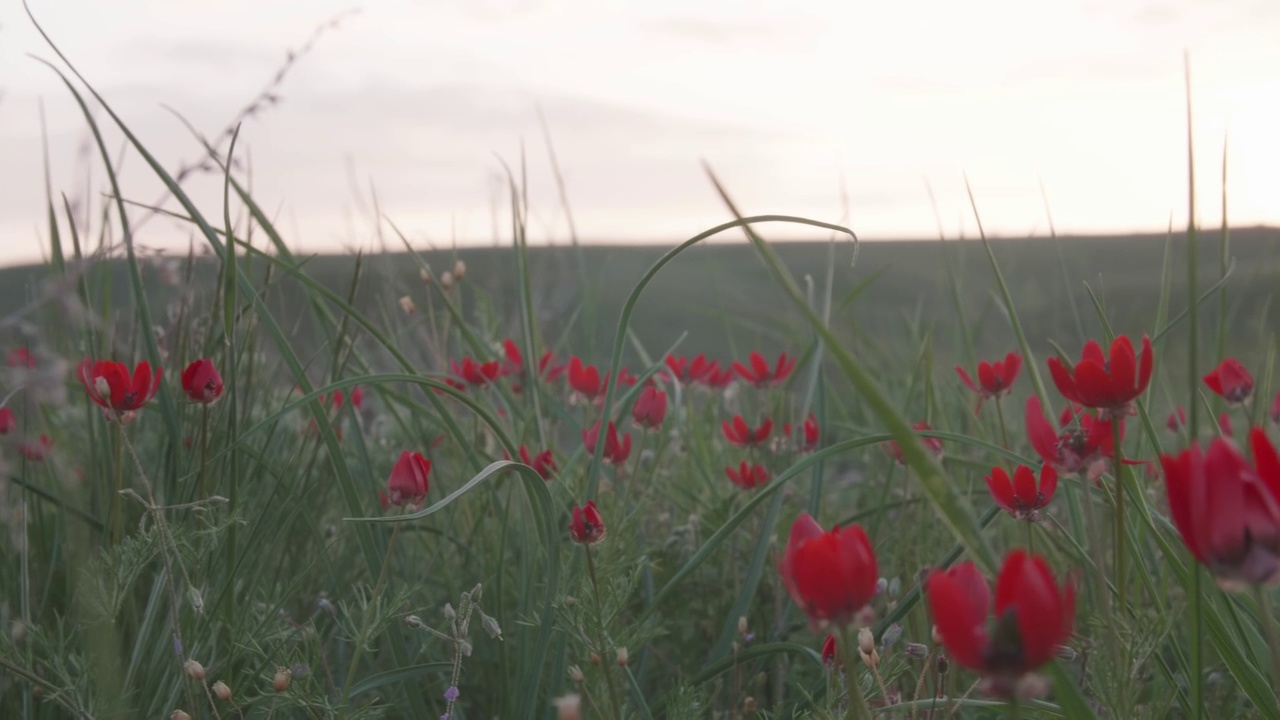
586, 379
21, 358
7, 422
650, 408
514, 364
830, 575
933, 445
739, 433
112, 388
1231, 380
476, 373
1084, 445
717, 378
586, 526
616, 450
542, 463
686, 370
34, 449
1033, 615
995, 379
1176, 420
760, 374
201, 382
747, 476
1110, 385
1022, 496
829, 651
408, 480
1227, 511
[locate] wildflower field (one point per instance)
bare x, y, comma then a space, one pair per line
238, 487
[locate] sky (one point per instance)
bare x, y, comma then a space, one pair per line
844, 111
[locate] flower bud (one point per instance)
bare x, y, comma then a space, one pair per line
943, 664
742, 625
866, 641
446, 280
575, 674
459, 270
449, 612
916, 651
425, 276
891, 635
179, 715
17, 632
1064, 653
935, 636
282, 680
622, 657
490, 626
595, 658
406, 304
568, 707
222, 690
194, 670
749, 704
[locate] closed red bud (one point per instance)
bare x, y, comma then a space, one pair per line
282, 680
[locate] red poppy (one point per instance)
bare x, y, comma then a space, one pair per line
830, 575
36, 450
933, 445
1085, 445
760, 374
686, 370
994, 379
409, 479
21, 357
1022, 496
1176, 420
201, 382
112, 388
742, 435
1033, 615
717, 378
829, 651
476, 373
1228, 512
1109, 385
514, 364
650, 408
811, 433
1231, 380
7, 422
748, 476
616, 450
542, 463
586, 527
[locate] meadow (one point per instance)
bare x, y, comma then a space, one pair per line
972, 479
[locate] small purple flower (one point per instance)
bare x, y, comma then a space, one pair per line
451, 695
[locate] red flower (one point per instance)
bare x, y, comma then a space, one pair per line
650, 408
21, 357
201, 382
742, 435
36, 450
1228, 512
616, 450
408, 480
1032, 617
829, 651
1084, 445
717, 378
830, 575
476, 373
1112, 385
689, 371
586, 527
748, 477
1022, 496
1231, 381
111, 388
810, 428
994, 379
542, 463
1176, 421
514, 364
759, 373
933, 445
585, 378
357, 397
7, 422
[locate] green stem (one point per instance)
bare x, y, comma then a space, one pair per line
204, 450
1031, 537
1121, 557
117, 521
1267, 619
857, 704
602, 644
359, 649
1004, 433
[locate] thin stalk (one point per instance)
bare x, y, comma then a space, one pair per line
604, 661
1121, 557
857, 709
117, 521
1193, 340
1004, 432
1267, 619
377, 590
204, 450
1031, 537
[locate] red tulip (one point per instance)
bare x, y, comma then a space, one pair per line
933, 445
21, 357
829, 651
542, 463
830, 575
1085, 445
201, 382
994, 379
1228, 512
650, 408
760, 375
742, 435
586, 527
1111, 385
36, 450
476, 373
408, 480
1032, 617
7, 422
110, 386
1023, 496
1176, 420
616, 450
748, 476
1231, 381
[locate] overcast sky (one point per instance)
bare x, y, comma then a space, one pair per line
788, 101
